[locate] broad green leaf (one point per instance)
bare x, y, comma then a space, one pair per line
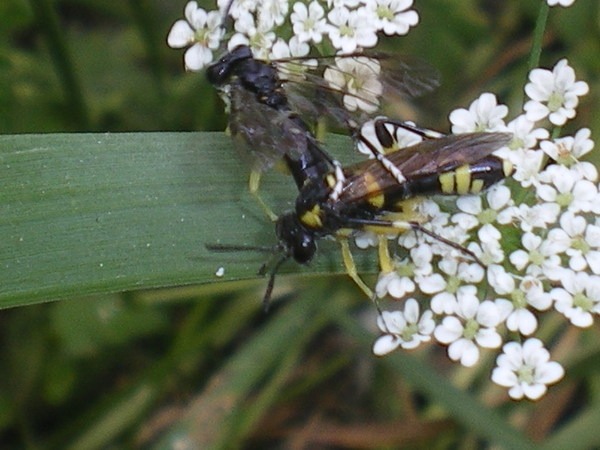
97, 213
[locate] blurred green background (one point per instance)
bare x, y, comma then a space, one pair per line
200, 365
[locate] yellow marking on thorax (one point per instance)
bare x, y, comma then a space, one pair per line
312, 218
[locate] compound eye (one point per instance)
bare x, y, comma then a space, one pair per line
304, 248
219, 72
297, 241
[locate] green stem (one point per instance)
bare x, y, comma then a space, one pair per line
48, 21
538, 36
144, 17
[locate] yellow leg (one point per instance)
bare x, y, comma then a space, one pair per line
351, 268
385, 260
253, 185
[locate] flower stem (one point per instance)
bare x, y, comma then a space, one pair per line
63, 59
538, 36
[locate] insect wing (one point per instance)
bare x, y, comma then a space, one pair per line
349, 88
429, 158
263, 134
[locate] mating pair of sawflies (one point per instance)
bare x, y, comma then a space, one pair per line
273, 106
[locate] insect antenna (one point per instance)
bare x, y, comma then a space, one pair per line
226, 14
418, 227
223, 248
262, 271
266, 302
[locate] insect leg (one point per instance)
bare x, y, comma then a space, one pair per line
351, 267
380, 226
425, 133
253, 185
385, 260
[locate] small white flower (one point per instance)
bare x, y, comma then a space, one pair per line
238, 7
392, 16
474, 214
565, 187
526, 369
283, 50
501, 281
272, 13
490, 252
421, 256
488, 249
201, 32
349, 30
563, 3
452, 284
520, 149
430, 283
400, 280
568, 187
309, 24
484, 114
358, 79
350, 4
403, 329
580, 241
518, 317
259, 38
393, 284
294, 69
538, 256
454, 234
528, 165
536, 216
477, 327
554, 94
578, 298
569, 149
366, 239
525, 136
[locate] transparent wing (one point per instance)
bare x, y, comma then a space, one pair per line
349, 88
263, 134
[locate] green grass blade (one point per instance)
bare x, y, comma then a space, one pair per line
97, 213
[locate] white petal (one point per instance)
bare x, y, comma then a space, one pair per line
465, 351
549, 373
488, 338
386, 344
181, 35
449, 330
534, 391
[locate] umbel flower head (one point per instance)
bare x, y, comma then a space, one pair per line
541, 256
346, 25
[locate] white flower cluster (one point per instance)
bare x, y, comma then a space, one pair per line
348, 25
540, 253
